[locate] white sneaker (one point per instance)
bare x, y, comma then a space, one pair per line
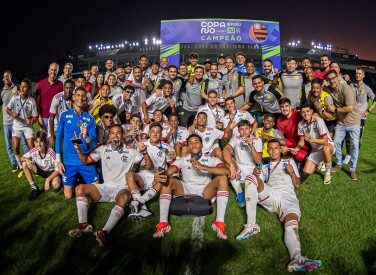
347, 159
248, 231
303, 264
327, 178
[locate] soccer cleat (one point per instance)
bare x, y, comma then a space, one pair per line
220, 228
145, 214
162, 229
327, 179
240, 200
353, 175
134, 207
336, 168
134, 217
14, 167
34, 194
346, 160
248, 231
303, 264
80, 229
100, 237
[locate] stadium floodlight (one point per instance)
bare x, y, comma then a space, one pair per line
298, 41
293, 44
136, 43
313, 43
90, 47
96, 45
125, 42
289, 43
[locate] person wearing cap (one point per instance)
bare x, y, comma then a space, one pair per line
222, 64
127, 69
207, 64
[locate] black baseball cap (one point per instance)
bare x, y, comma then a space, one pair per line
127, 65
221, 56
208, 61
193, 55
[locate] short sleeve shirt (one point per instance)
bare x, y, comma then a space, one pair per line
209, 138
243, 153
268, 100
48, 163
316, 130
213, 115
6, 95
47, 91
25, 108
239, 115
232, 83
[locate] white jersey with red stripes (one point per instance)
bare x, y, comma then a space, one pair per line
242, 151
47, 163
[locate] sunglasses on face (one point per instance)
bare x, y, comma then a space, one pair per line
129, 92
109, 117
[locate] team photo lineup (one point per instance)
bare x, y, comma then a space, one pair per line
160, 132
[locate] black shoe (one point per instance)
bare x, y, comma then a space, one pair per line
34, 194
14, 167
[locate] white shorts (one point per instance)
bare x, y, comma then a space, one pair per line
245, 170
317, 156
280, 203
148, 178
190, 189
110, 190
19, 132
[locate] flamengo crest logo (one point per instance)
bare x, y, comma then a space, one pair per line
210, 26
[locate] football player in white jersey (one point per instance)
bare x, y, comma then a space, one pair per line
123, 103
276, 194
247, 155
160, 154
318, 136
133, 129
176, 135
41, 160
209, 136
234, 116
116, 160
23, 108
158, 117
197, 170
61, 102
213, 112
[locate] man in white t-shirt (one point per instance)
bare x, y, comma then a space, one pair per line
322, 146
197, 170
214, 113
176, 135
23, 109
276, 194
116, 160
247, 155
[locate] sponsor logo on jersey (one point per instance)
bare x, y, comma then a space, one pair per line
69, 116
69, 121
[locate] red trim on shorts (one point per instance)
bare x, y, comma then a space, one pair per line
264, 199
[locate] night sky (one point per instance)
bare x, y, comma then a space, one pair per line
35, 33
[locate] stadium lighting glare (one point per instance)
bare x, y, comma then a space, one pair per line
125, 42
289, 43
101, 45
96, 45
137, 44
293, 44
90, 47
298, 41
313, 43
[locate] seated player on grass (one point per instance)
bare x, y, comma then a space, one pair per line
160, 153
318, 136
197, 170
247, 155
41, 160
116, 160
158, 117
276, 194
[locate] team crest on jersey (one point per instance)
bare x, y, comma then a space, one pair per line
284, 165
160, 154
207, 139
108, 157
124, 158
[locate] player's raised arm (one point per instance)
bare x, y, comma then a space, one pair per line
84, 158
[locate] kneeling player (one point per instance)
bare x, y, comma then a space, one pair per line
277, 195
41, 161
247, 150
116, 160
197, 170
318, 136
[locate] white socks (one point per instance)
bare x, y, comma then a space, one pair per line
82, 207
222, 200
251, 199
292, 240
164, 207
116, 213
